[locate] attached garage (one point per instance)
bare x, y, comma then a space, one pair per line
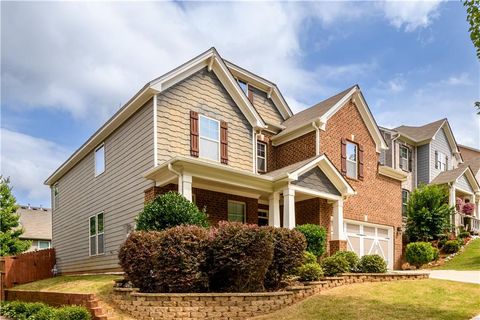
366, 238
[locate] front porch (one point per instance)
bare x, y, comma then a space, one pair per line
309, 192
467, 213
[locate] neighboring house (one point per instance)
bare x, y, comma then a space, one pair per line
226, 139
429, 154
37, 225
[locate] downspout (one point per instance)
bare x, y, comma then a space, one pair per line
254, 150
317, 137
179, 175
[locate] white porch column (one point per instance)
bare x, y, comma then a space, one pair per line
274, 209
288, 208
453, 202
185, 186
338, 232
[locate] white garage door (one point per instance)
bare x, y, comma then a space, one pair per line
366, 238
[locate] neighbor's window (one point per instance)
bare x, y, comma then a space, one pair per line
405, 196
404, 158
236, 211
43, 244
261, 157
441, 161
243, 85
97, 241
262, 217
352, 162
209, 138
100, 160
55, 196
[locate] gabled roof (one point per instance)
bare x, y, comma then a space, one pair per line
469, 153
421, 133
36, 222
452, 176
320, 113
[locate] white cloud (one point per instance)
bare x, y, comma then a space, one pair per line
28, 161
410, 15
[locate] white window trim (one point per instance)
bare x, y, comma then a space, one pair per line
48, 241
265, 157
442, 166
405, 203
102, 145
356, 159
209, 139
262, 210
407, 159
96, 235
244, 209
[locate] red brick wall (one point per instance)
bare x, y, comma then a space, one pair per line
294, 151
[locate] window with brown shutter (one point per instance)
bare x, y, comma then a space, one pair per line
344, 157
360, 162
224, 142
194, 134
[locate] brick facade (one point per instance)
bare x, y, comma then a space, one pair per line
293, 151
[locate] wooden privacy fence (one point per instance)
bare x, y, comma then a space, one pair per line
26, 267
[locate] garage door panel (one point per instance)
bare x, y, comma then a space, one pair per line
353, 244
368, 245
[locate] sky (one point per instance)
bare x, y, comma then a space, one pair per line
66, 67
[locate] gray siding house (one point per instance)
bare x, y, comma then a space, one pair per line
429, 154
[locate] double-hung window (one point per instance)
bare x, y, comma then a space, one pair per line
441, 161
97, 240
404, 158
100, 160
352, 160
209, 138
261, 157
405, 195
236, 211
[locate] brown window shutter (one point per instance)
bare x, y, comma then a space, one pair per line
250, 93
194, 134
360, 162
344, 156
224, 142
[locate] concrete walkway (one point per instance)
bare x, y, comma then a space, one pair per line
460, 276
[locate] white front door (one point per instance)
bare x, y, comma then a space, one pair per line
366, 238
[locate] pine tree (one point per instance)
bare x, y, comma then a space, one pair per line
10, 243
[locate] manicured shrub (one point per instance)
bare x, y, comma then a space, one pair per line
463, 234
180, 260
334, 265
309, 257
169, 210
372, 263
310, 272
436, 254
316, 238
136, 259
45, 314
451, 246
289, 247
19, 310
239, 256
72, 313
419, 253
351, 258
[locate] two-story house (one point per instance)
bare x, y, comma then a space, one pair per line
429, 154
226, 139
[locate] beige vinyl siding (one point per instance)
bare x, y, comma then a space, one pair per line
202, 92
266, 108
118, 192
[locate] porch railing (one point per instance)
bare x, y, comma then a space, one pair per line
469, 222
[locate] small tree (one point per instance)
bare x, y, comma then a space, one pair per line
428, 213
170, 210
10, 243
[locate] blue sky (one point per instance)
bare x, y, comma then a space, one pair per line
67, 67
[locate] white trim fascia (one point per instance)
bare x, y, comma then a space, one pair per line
471, 179
155, 131
464, 191
316, 193
387, 171
210, 187
290, 135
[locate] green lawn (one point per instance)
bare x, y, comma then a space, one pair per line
100, 285
420, 299
469, 259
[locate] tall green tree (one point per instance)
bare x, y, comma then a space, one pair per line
428, 213
473, 18
10, 243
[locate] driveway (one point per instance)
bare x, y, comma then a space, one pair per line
460, 276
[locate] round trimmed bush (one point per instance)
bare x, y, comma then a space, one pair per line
334, 265
351, 258
372, 263
289, 246
310, 272
239, 257
309, 257
451, 246
135, 258
316, 238
169, 210
179, 263
419, 253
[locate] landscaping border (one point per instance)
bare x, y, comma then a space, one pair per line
235, 305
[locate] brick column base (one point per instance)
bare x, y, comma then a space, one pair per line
337, 245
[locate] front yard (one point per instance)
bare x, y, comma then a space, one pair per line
424, 299
467, 260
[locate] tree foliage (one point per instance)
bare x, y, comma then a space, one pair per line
473, 18
428, 213
10, 232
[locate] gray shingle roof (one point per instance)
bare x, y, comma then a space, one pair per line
37, 222
421, 133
